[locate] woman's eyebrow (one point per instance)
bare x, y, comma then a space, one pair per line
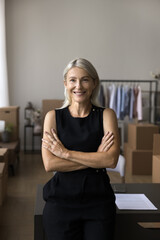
72, 77
87, 76
81, 77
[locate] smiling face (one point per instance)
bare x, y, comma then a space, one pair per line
79, 85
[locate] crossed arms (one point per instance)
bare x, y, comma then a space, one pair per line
57, 158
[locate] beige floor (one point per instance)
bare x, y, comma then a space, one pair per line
16, 214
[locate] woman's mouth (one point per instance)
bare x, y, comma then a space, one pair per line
79, 93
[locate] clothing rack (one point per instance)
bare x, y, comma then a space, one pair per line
152, 86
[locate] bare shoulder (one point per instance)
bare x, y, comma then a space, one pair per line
109, 120
50, 121
109, 113
50, 114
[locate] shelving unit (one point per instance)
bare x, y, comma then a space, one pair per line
33, 136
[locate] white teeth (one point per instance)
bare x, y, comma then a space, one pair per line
79, 93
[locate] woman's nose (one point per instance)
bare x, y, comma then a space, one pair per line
78, 84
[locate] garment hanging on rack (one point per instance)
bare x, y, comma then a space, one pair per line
107, 96
124, 100
112, 96
101, 96
119, 96
135, 102
131, 103
139, 104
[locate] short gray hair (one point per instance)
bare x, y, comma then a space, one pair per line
90, 69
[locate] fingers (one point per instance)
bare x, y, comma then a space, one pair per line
108, 136
52, 140
55, 134
54, 145
46, 144
108, 146
107, 142
48, 135
45, 141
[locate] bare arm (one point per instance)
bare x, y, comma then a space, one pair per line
107, 154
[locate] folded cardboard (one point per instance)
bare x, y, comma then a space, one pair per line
156, 169
138, 162
156, 144
11, 116
140, 135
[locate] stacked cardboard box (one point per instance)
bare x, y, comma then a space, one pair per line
11, 115
138, 150
4, 157
3, 183
156, 159
3, 174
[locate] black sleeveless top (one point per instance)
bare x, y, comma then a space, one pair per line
80, 134
87, 186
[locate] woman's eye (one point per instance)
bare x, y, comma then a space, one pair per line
72, 80
85, 79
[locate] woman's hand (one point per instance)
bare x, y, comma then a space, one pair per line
106, 143
54, 145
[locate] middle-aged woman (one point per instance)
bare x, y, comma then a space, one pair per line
80, 141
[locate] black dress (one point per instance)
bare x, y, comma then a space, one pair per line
79, 204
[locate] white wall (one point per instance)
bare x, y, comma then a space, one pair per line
120, 37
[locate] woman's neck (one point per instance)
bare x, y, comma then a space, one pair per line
80, 110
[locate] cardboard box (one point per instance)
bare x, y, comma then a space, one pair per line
4, 154
11, 115
156, 169
156, 144
140, 136
138, 162
50, 104
13, 149
125, 148
3, 183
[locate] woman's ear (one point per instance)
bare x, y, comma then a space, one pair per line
65, 83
